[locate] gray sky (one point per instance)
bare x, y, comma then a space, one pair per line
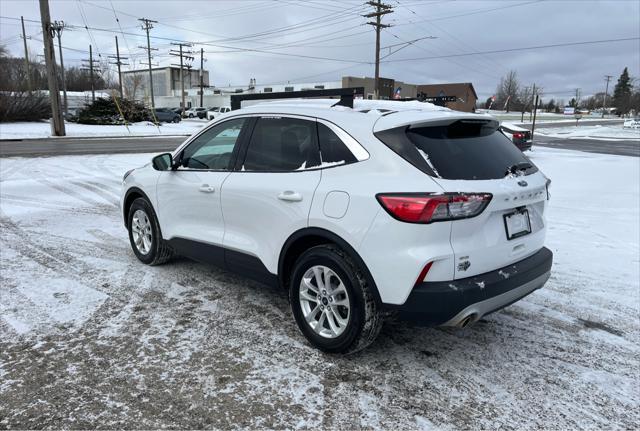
242, 39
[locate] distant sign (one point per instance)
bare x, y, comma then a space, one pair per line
440, 99
568, 110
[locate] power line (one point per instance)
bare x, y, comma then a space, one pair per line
528, 48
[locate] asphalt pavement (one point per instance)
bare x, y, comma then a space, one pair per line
620, 148
75, 146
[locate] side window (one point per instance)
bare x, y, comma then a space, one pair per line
332, 149
282, 145
213, 149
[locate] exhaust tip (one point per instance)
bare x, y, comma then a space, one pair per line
467, 320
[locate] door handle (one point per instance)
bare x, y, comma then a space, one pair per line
206, 188
290, 196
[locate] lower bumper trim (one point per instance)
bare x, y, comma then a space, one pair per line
482, 308
459, 302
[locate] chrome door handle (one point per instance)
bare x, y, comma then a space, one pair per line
206, 188
290, 196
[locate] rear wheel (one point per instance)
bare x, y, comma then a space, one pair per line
144, 234
332, 302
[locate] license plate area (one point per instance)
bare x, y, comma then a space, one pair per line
517, 223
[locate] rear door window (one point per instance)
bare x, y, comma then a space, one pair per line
280, 144
463, 150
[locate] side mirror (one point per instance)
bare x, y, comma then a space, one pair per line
162, 162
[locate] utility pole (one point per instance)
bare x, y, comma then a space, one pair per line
57, 27
50, 61
533, 125
381, 9
183, 56
533, 97
119, 63
201, 76
606, 91
147, 24
89, 67
577, 98
26, 55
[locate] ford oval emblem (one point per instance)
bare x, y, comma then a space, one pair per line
523, 183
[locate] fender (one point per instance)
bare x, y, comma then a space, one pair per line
332, 237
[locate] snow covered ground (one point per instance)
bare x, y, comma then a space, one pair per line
544, 117
42, 129
616, 132
89, 337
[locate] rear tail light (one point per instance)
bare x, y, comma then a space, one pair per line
428, 207
518, 135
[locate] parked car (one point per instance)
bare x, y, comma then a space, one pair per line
520, 136
193, 112
203, 114
385, 208
632, 123
166, 115
177, 110
214, 112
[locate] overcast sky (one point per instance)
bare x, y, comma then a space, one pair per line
275, 41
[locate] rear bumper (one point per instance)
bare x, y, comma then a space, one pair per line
524, 145
458, 302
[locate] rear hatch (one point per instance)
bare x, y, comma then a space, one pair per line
470, 155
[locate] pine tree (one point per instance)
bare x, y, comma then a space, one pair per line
622, 93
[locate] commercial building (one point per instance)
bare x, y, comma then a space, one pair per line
166, 86
463, 92
166, 82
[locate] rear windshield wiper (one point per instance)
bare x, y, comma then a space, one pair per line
522, 166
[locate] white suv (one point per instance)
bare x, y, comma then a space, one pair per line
386, 208
214, 112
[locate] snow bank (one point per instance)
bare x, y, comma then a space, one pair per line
41, 129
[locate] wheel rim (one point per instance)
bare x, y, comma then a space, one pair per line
141, 231
324, 301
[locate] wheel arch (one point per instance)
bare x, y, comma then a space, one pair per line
131, 195
306, 238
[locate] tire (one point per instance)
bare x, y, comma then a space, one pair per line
176, 120
190, 115
363, 317
145, 237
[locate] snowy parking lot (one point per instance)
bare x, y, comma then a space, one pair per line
91, 338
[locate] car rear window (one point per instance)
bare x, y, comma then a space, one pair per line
463, 150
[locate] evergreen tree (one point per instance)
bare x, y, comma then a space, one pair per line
622, 93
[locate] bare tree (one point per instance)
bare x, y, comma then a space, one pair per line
507, 91
524, 100
132, 84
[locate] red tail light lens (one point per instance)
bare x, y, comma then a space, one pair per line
428, 208
518, 135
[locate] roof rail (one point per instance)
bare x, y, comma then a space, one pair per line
346, 96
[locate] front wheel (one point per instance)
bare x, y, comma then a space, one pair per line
144, 234
332, 302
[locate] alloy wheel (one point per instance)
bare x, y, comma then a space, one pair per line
141, 231
325, 302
